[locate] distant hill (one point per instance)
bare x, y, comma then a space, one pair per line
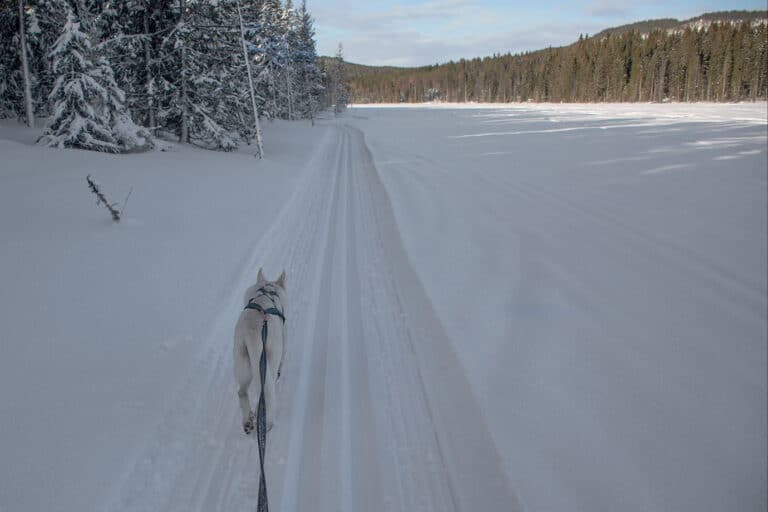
354, 70
671, 24
721, 56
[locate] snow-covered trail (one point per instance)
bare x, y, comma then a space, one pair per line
375, 411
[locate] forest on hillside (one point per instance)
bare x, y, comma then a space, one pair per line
720, 61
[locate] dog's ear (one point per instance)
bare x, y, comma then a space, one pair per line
260, 278
281, 280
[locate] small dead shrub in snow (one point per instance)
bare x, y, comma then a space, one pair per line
101, 199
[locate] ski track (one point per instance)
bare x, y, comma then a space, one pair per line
374, 410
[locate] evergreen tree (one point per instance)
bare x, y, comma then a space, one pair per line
197, 65
79, 118
308, 77
268, 48
290, 29
11, 80
129, 33
338, 82
88, 107
46, 21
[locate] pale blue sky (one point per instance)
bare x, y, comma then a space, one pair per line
419, 32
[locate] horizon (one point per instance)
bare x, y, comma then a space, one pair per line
428, 32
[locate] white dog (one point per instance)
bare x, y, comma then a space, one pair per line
264, 313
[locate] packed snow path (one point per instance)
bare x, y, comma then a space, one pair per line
375, 412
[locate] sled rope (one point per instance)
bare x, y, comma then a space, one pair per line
261, 410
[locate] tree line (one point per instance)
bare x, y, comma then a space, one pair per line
722, 61
111, 75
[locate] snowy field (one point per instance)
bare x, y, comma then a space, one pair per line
601, 271
496, 308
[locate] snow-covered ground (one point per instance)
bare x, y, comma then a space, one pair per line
100, 323
544, 307
601, 271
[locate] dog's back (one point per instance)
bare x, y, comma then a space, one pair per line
248, 329
264, 304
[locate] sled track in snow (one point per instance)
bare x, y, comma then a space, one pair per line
375, 413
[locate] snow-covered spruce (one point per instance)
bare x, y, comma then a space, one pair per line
89, 107
203, 102
307, 78
338, 85
267, 45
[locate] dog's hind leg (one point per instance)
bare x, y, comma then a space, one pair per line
269, 396
243, 376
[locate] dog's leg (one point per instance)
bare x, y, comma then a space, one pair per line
243, 376
254, 352
269, 396
284, 338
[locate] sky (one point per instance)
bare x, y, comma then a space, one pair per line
421, 32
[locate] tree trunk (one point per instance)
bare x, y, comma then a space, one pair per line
290, 93
662, 75
184, 138
311, 101
148, 67
274, 109
726, 70
29, 109
257, 127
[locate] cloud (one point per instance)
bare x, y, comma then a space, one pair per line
609, 10
435, 31
363, 18
433, 11
413, 48
421, 32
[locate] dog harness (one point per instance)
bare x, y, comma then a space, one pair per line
261, 411
270, 294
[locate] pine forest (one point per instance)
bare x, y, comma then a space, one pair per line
725, 59
112, 75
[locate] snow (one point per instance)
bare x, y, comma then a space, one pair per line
541, 307
101, 323
601, 271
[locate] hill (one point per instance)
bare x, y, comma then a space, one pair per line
719, 56
354, 70
671, 24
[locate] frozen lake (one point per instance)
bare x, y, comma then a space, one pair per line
601, 271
